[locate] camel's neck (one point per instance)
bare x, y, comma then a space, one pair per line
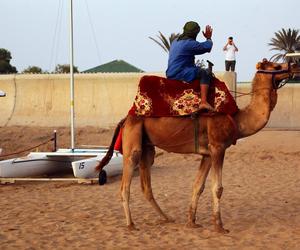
256, 115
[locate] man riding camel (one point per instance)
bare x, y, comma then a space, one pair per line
181, 63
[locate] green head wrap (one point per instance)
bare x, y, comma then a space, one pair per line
190, 31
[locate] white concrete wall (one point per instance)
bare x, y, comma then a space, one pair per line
103, 99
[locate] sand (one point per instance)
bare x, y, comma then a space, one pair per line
260, 202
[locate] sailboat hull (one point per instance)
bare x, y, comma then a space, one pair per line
86, 168
79, 162
32, 165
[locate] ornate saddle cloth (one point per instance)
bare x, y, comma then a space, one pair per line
159, 96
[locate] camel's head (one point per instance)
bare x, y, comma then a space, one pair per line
277, 71
267, 65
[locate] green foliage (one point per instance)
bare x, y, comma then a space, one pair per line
163, 42
5, 55
65, 68
33, 70
285, 41
5, 66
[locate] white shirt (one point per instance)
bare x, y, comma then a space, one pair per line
230, 53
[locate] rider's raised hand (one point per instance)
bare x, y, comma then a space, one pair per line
208, 32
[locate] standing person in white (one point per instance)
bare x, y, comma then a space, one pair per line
230, 50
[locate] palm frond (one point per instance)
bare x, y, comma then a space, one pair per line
163, 42
277, 57
284, 41
159, 43
173, 37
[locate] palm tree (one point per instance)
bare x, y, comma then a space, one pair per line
163, 42
285, 41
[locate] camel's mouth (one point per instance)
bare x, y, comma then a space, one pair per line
294, 68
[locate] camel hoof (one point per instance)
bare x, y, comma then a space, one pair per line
192, 225
132, 227
221, 230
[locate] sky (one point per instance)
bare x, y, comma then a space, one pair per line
36, 32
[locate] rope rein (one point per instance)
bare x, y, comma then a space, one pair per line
273, 73
240, 94
28, 149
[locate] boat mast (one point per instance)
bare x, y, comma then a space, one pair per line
72, 78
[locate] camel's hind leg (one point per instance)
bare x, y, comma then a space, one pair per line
217, 154
198, 188
132, 152
145, 174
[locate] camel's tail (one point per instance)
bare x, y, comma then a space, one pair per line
106, 159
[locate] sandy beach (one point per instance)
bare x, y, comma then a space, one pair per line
260, 202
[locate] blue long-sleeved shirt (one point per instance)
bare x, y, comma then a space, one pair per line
181, 63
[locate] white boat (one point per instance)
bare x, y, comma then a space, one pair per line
34, 164
85, 168
80, 162
2, 93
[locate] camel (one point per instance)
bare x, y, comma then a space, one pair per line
140, 136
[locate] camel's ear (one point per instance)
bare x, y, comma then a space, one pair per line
259, 65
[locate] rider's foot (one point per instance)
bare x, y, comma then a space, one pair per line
206, 105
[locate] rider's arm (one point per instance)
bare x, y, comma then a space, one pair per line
198, 48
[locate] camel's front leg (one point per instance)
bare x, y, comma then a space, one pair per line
198, 188
217, 155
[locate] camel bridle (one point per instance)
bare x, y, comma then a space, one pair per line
277, 85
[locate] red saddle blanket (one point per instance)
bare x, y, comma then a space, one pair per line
159, 96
